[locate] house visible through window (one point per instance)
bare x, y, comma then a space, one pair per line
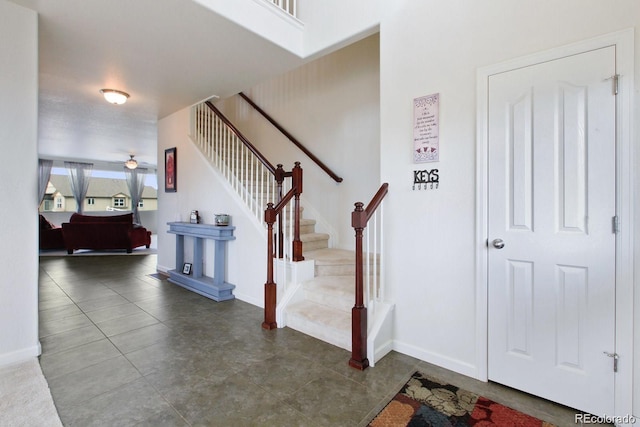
118, 202
91, 201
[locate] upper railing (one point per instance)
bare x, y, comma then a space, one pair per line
289, 6
291, 138
249, 173
370, 290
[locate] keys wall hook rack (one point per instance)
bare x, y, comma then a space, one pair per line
426, 179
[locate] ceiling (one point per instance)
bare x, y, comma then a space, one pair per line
167, 54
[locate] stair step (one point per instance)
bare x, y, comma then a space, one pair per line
307, 226
333, 262
334, 291
313, 241
322, 322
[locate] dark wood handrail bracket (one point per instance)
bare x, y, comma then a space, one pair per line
291, 138
359, 219
242, 138
271, 215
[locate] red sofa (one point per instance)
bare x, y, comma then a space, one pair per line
104, 232
50, 235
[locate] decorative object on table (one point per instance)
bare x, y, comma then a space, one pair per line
426, 401
221, 219
194, 217
426, 128
186, 268
170, 170
426, 179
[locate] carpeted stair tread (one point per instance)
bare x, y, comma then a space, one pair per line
320, 321
329, 256
333, 291
333, 262
313, 241
312, 237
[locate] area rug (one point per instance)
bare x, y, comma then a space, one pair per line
428, 402
25, 399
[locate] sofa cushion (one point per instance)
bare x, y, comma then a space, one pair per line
78, 218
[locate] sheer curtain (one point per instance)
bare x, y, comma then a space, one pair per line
79, 175
135, 182
44, 174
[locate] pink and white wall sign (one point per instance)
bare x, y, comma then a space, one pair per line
426, 129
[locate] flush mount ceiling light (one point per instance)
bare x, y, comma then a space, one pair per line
131, 163
114, 96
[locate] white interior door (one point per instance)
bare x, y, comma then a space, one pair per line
552, 202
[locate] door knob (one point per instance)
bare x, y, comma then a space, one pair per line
498, 243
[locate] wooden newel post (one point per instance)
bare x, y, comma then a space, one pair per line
359, 312
297, 185
280, 175
270, 286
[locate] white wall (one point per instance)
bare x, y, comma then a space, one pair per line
264, 19
199, 188
320, 26
436, 47
336, 22
331, 105
18, 133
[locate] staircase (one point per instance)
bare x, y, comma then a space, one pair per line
316, 295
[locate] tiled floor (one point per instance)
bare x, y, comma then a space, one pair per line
121, 348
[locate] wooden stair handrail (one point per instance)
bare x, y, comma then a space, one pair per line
271, 214
242, 138
359, 219
291, 138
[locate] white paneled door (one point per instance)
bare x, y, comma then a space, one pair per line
552, 189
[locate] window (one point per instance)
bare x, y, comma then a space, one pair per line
91, 201
119, 202
141, 203
47, 205
58, 202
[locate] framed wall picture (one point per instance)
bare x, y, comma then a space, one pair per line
186, 268
170, 170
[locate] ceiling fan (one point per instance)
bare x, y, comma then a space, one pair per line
131, 163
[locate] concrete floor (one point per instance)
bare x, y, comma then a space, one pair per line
122, 348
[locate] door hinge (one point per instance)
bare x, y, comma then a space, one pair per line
615, 80
615, 225
615, 357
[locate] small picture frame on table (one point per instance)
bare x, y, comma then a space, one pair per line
186, 268
170, 170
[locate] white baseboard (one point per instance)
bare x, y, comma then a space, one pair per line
249, 299
449, 363
163, 269
19, 356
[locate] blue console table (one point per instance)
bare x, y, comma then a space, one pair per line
215, 288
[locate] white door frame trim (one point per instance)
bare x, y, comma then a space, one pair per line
624, 43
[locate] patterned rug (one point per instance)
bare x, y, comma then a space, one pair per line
425, 401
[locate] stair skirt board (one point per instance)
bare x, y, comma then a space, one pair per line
380, 334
